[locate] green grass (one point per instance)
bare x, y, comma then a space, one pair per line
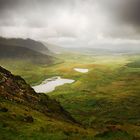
115, 135
107, 95
13, 126
33, 73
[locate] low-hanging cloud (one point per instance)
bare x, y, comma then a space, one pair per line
71, 22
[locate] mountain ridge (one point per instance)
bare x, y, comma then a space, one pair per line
25, 49
26, 43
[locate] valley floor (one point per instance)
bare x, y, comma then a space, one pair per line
106, 99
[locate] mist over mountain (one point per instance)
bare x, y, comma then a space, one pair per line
25, 49
26, 43
109, 49
100, 49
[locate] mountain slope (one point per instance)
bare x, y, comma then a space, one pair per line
25, 58
14, 88
26, 43
21, 53
25, 114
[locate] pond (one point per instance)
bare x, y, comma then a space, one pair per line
81, 70
50, 84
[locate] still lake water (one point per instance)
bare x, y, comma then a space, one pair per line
50, 84
81, 70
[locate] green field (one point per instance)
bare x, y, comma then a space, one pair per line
107, 98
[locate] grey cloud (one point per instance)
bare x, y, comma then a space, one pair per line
124, 18
129, 12
70, 21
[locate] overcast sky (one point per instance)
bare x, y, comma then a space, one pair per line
72, 23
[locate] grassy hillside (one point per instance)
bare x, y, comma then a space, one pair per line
33, 73
26, 115
107, 97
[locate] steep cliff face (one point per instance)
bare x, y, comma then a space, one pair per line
15, 89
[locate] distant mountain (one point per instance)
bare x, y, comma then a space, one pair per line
21, 53
21, 49
56, 49
100, 49
26, 43
107, 49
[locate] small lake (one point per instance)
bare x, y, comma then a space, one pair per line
81, 70
50, 84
